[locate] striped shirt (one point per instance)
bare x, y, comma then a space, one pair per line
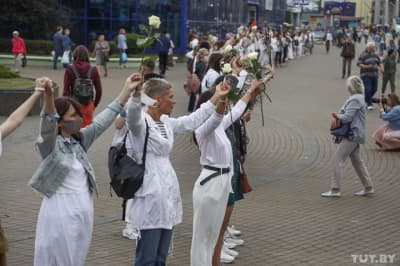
161, 127
369, 59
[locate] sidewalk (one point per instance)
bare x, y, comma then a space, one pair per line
284, 221
35, 60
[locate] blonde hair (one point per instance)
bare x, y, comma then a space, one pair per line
355, 85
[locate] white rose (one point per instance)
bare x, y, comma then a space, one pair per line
228, 48
227, 68
154, 22
252, 56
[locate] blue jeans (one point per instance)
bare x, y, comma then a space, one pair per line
371, 86
152, 247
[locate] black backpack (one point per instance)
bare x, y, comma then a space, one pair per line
125, 173
83, 86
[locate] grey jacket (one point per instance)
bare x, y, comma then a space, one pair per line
353, 111
57, 154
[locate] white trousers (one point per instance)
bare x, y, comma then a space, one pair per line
209, 206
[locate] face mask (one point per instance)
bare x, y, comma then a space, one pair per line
73, 126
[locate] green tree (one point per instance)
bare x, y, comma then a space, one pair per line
34, 19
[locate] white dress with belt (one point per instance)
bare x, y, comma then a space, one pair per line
210, 199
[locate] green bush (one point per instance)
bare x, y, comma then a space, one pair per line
6, 73
131, 39
34, 47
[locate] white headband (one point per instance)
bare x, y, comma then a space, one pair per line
148, 101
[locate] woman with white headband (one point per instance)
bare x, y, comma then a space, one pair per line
157, 206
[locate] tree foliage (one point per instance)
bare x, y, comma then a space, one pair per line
34, 19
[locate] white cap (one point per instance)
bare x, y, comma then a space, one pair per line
15, 32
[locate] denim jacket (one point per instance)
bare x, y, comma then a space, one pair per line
57, 154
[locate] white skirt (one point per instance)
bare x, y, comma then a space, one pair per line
64, 229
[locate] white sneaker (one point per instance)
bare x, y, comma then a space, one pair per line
229, 244
236, 241
230, 252
370, 108
364, 193
233, 231
331, 194
129, 233
225, 258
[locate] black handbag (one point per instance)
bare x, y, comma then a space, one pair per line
342, 131
125, 173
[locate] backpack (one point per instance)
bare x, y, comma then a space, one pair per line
347, 51
83, 86
125, 173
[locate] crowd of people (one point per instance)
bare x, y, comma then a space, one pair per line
217, 70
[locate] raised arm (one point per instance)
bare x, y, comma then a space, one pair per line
103, 120
240, 107
48, 122
214, 120
18, 116
195, 119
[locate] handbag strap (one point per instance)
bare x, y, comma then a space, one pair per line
145, 142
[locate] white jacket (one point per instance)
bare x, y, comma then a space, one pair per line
157, 204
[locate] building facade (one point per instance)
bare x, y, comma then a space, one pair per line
92, 17
384, 11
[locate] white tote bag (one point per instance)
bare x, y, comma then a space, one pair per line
65, 58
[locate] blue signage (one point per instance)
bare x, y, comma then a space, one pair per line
346, 9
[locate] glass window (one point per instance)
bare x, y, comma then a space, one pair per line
124, 9
98, 8
97, 27
77, 7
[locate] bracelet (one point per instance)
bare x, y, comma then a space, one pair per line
39, 89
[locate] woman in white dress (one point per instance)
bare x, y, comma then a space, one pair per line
66, 178
213, 71
6, 128
157, 206
212, 188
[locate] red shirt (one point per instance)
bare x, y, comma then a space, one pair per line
83, 67
18, 46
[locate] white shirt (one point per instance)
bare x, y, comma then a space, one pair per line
214, 145
329, 36
158, 204
76, 180
209, 79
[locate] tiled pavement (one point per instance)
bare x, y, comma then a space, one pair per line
284, 220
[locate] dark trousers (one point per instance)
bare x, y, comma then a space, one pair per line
278, 58
55, 58
327, 46
285, 52
162, 61
371, 86
385, 79
152, 247
192, 102
346, 61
